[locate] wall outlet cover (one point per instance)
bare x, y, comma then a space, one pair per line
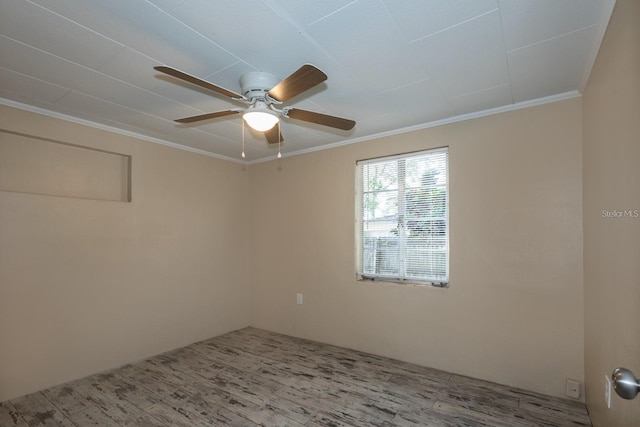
573, 389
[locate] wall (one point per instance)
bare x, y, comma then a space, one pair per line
612, 245
514, 311
88, 285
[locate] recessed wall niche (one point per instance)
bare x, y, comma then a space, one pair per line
30, 164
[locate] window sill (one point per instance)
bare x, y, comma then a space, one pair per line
411, 283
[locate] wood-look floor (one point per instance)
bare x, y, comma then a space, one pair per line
252, 377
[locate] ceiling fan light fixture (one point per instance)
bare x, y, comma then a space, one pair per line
260, 120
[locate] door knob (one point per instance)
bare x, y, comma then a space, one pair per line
625, 383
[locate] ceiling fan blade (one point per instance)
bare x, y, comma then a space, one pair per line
196, 81
302, 79
206, 116
321, 119
273, 134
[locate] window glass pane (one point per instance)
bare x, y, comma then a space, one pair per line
403, 218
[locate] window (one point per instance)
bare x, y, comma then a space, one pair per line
402, 213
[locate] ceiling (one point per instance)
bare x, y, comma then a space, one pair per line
393, 65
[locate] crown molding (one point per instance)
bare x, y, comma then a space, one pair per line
459, 118
100, 126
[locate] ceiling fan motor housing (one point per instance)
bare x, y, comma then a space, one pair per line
255, 84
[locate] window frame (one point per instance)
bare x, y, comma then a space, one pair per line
359, 221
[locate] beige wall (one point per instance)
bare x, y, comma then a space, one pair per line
612, 245
88, 285
514, 311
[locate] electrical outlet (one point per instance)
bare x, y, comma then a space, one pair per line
573, 389
607, 391
299, 299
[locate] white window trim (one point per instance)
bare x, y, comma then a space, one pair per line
359, 225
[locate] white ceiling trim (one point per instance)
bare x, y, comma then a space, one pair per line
84, 122
460, 118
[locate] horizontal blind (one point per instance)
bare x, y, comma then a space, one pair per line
403, 227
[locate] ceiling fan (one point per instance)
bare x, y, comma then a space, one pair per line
263, 94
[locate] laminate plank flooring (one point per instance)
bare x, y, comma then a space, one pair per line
252, 377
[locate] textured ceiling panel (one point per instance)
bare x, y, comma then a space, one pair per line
522, 19
421, 19
546, 68
391, 64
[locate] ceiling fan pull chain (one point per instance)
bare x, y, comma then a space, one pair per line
243, 155
279, 139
